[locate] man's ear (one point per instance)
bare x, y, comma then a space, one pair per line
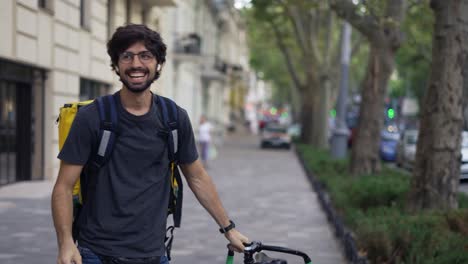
159, 67
116, 69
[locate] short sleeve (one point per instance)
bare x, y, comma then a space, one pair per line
82, 135
187, 152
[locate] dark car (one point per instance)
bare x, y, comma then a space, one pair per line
275, 135
389, 143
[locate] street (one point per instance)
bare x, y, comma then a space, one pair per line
264, 191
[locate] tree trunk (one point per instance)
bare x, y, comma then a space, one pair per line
325, 93
308, 122
436, 174
385, 37
307, 108
365, 151
313, 113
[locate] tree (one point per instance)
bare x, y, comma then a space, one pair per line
307, 37
380, 22
436, 174
414, 57
268, 60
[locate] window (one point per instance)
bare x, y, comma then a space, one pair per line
128, 12
110, 18
91, 89
48, 5
85, 14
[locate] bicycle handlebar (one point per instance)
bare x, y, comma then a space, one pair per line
255, 247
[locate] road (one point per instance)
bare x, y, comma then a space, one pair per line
264, 191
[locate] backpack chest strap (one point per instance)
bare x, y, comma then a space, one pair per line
170, 120
108, 129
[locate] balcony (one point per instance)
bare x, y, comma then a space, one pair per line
188, 47
214, 69
160, 3
188, 44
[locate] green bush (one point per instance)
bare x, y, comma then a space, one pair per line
373, 207
463, 200
377, 190
418, 239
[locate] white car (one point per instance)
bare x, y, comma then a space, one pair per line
464, 153
406, 149
274, 135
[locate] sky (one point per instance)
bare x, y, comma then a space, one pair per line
241, 3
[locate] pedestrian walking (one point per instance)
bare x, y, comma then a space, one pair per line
204, 139
124, 217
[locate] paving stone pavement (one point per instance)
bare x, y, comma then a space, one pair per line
268, 196
264, 191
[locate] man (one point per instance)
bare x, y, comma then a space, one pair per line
124, 218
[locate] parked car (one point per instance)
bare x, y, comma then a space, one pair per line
464, 153
274, 135
388, 144
294, 130
406, 149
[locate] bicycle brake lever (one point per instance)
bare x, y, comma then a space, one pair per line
253, 247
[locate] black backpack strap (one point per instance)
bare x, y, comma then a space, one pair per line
170, 120
108, 130
102, 151
168, 241
178, 195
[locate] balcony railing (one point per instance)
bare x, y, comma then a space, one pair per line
189, 44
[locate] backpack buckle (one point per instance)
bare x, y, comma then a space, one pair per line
106, 125
172, 125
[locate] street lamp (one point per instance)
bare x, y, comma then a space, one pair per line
340, 136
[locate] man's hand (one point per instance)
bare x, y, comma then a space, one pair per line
236, 240
69, 254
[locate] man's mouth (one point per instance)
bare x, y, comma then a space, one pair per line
137, 77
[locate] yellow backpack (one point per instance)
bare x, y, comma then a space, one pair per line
65, 120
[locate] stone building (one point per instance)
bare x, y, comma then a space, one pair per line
54, 51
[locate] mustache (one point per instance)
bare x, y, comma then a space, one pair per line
140, 69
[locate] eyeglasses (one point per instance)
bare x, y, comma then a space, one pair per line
144, 56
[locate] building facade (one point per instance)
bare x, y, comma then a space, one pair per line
54, 52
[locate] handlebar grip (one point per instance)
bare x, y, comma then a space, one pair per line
230, 257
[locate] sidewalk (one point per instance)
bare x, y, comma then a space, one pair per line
26, 225
269, 197
264, 191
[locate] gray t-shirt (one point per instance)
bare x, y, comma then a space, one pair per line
126, 211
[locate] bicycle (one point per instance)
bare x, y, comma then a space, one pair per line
252, 253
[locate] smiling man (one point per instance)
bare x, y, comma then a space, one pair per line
124, 218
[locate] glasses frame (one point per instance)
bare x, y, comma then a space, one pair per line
145, 57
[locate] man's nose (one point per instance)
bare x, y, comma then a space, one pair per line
136, 62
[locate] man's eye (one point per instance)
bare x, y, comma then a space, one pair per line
126, 57
145, 56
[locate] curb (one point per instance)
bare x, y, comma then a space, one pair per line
341, 232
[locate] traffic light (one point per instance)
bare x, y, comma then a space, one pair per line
391, 113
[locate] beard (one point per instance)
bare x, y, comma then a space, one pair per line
137, 88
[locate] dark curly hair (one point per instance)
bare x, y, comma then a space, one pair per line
127, 35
